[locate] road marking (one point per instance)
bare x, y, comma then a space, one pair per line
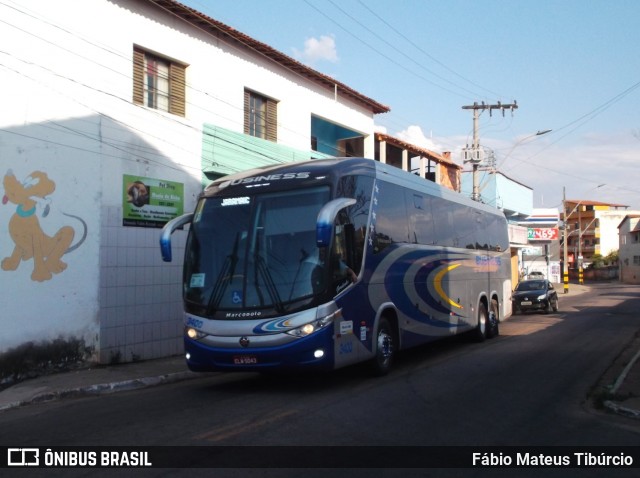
221, 434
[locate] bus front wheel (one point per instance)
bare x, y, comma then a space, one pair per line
385, 348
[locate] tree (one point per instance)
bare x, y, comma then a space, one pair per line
612, 258
597, 261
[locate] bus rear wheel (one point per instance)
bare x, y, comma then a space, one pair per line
385, 348
480, 332
493, 321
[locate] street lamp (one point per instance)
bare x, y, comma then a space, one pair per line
522, 140
565, 271
477, 189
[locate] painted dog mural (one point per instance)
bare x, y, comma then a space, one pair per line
30, 241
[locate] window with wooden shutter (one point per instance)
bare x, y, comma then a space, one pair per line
158, 83
177, 99
138, 76
260, 116
247, 109
272, 121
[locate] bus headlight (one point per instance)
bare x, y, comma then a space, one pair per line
311, 327
194, 334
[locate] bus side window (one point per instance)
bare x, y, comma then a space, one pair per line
443, 223
355, 219
342, 254
392, 225
420, 220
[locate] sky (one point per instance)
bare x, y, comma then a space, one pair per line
571, 66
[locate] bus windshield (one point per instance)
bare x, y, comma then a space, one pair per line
254, 252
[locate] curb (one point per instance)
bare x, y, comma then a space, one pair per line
616, 407
620, 410
102, 389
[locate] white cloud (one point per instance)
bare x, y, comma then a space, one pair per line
414, 135
547, 164
580, 169
318, 49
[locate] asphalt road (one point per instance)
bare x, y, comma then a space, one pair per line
528, 387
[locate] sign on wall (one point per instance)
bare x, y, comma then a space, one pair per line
149, 202
532, 251
543, 233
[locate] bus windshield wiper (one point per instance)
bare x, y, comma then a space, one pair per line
263, 271
225, 277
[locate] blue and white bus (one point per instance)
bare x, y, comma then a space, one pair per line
326, 263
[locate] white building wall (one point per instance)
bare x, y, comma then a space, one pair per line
629, 252
219, 72
609, 222
68, 113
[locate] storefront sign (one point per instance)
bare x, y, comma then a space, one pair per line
543, 234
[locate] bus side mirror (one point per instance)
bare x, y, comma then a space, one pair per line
326, 216
167, 230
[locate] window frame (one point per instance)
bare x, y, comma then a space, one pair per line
175, 91
263, 124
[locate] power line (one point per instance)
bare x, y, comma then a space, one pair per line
128, 57
397, 50
585, 118
423, 51
378, 52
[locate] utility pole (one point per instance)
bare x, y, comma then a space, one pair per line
473, 155
580, 272
565, 262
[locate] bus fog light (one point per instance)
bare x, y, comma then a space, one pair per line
318, 353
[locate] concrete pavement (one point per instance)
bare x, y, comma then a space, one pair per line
96, 380
622, 396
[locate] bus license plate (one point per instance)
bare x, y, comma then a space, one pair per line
244, 360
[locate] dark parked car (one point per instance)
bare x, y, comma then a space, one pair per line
534, 294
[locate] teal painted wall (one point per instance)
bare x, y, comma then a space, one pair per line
226, 152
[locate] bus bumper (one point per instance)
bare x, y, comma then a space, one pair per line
314, 352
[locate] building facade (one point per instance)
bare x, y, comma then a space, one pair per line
629, 252
427, 164
119, 112
542, 251
592, 230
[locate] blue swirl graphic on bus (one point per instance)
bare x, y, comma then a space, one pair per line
273, 326
426, 282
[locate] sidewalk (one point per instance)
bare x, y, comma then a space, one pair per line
622, 395
96, 380
620, 387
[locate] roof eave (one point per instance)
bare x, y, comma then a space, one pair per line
210, 25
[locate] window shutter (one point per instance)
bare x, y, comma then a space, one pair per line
272, 121
177, 98
138, 76
247, 112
